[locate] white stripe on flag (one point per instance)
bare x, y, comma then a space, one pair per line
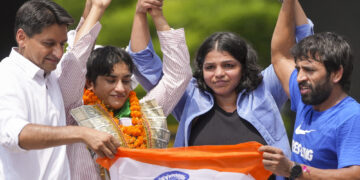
129, 169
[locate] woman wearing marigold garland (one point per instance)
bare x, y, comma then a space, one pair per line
110, 70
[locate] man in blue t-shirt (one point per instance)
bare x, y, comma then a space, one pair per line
326, 139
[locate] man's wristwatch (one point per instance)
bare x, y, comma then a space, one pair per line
296, 171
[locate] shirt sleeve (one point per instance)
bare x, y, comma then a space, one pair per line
304, 31
72, 70
13, 117
273, 84
176, 69
295, 96
71, 35
181, 105
148, 66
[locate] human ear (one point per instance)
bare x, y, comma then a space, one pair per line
21, 38
89, 85
337, 75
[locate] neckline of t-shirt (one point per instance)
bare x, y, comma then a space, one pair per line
317, 113
217, 107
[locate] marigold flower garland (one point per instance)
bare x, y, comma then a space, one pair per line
135, 135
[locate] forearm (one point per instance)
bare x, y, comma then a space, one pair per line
300, 16
160, 23
312, 173
275, 161
35, 136
140, 34
92, 18
284, 33
282, 41
87, 9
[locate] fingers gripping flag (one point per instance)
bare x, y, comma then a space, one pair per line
241, 161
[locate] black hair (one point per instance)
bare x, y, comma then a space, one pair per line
102, 61
330, 49
34, 15
240, 50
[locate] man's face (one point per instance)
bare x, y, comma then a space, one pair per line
314, 82
45, 49
113, 90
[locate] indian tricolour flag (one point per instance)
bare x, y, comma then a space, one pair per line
241, 161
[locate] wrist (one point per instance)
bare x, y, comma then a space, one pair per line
80, 134
161, 24
306, 170
158, 17
139, 12
163, 27
99, 6
296, 171
291, 165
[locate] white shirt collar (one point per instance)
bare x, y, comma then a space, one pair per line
30, 69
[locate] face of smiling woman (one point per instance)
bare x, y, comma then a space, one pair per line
222, 73
113, 89
45, 49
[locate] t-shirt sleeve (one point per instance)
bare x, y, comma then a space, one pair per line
304, 31
348, 141
295, 96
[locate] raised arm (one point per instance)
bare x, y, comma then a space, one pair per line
140, 34
95, 13
148, 64
72, 68
176, 69
282, 41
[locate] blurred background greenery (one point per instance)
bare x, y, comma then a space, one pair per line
254, 20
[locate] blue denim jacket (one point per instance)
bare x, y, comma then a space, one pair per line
259, 107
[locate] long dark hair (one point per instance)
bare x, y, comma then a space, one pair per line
240, 50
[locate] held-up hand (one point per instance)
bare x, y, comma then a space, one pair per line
275, 161
102, 143
143, 6
156, 12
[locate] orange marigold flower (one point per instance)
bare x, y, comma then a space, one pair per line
134, 135
135, 108
135, 114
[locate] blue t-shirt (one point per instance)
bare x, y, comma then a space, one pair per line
329, 139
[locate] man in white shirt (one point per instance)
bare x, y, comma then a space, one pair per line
35, 98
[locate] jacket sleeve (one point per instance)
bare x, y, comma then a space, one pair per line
148, 66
